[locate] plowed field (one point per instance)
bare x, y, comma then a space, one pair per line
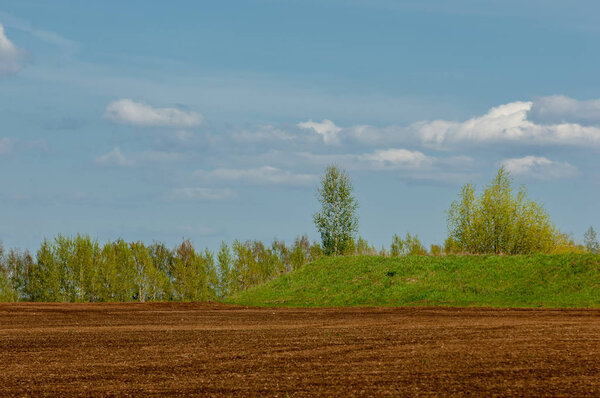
193, 349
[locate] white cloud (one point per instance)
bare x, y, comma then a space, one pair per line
114, 158
505, 124
197, 193
6, 146
10, 55
117, 158
540, 168
327, 129
265, 175
398, 158
554, 120
559, 109
127, 111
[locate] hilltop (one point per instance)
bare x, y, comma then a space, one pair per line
541, 280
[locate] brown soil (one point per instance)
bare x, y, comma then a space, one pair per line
193, 349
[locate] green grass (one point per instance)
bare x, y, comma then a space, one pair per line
571, 280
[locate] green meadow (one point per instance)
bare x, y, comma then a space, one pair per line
539, 280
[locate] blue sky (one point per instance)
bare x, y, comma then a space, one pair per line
149, 120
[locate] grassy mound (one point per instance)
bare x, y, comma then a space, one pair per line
497, 281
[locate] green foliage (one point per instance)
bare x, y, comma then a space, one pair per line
337, 221
409, 246
78, 269
300, 253
191, 274
362, 248
590, 241
225, 262
499, 222
539, 280
435, 250
15, 268
451, 246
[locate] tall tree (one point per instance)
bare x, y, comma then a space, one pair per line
337, 221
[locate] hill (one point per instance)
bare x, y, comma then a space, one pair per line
565, 280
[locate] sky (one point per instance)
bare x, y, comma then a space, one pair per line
212, 121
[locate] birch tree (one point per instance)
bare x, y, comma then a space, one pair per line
337, 221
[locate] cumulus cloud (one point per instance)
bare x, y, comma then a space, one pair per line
327, 129
127, 111
554, 120
10, 55
198, 193
116, 158
6, 146
505, 124
559, 109
265, 175
540, 168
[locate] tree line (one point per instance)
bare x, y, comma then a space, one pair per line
80, 269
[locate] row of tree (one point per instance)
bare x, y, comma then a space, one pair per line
79, 269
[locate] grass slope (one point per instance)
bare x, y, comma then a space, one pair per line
497, 281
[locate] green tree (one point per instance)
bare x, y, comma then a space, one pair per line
162, 258
435, 250
212, 277
191, 274
499, 222
146, 278
590, 240
300, 252
7, 292
337, 221
46, 281
225, 262
409, 246
397, 247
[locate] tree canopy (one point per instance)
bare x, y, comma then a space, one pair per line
499, 221
337, 221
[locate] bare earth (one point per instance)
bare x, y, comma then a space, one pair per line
193, 349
